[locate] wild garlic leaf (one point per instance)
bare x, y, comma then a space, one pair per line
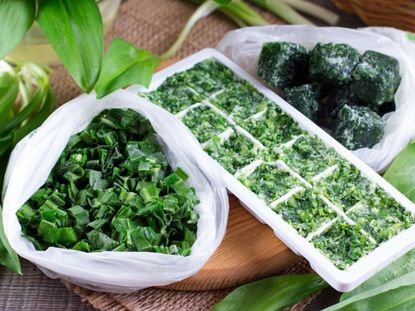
9, 89
75, 31
124, 64
16, 17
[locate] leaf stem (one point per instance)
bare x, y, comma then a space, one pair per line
314, 10
283, 10
204, 10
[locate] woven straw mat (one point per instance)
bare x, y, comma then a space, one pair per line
154, 25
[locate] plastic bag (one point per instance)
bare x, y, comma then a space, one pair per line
33, 159
244, 45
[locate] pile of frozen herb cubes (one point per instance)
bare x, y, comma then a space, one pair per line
334, 86
310, 186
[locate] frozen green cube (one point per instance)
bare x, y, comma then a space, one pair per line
358, 127
305, 98
336, 100
333, 62
343, 244
305, 211
269, 182
376, 78
282, 64
205, 123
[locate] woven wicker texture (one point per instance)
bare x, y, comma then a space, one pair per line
151, 24
394, 13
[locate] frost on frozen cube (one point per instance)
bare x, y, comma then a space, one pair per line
308, 156
333, 62
382, 217
376, 78
173, 95
233, 152
305, 212
269, 182
305, 98
282, 64
357, 127
205, 123
343, 244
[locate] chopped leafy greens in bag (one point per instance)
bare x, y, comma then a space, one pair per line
112, 189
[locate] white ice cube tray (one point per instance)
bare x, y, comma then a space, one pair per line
341, 280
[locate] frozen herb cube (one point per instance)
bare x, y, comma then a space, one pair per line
240, 101
333, 62
207, 77
336, 100
204, 122
305, 98
282, 64
305, 211
346, 187
308, 156
272, 127
358, 127
269, 182
343, 244
376, 78
234, 153
382, 222
173, 95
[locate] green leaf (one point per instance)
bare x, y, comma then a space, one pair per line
392, 288
271, 294
401, 173
8, 256
124, 64
223, 2
16, 17
9, 89
75, 31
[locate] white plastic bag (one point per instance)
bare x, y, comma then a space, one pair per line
244, 45
33, 159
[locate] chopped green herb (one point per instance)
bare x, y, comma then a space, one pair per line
305, 98
346, 187
112, 189
269, 182
305, 211
343, 244
308, 156
273, 127
205, 123
234, 153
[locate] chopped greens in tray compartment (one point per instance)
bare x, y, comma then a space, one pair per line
343, 244
331, 183
173, 96
269, 182
234, 153
346, 187
204, 123
113, 190
240, 101
383, 220
308, 156
273, 127
305, 212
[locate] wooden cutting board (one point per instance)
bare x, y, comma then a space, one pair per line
249, 251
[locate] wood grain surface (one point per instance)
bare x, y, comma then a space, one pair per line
249, 251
